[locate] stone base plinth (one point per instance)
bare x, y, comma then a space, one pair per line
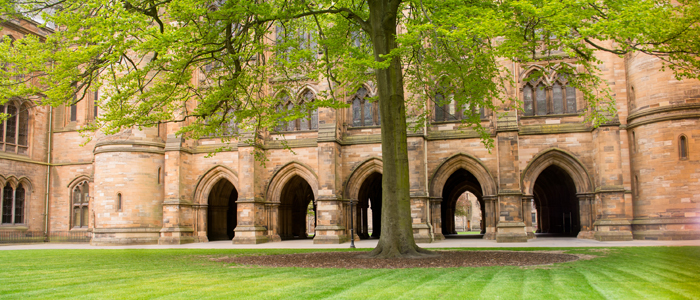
330, 235
250, 235
511, 232
176, 236
666, 228
124, 236
613, 230
588, 235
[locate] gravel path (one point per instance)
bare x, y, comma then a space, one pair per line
443, 259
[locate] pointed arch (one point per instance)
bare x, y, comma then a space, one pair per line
462, 161
14, 181
284, 174
360, 173
210, 178
560, 158
301, 91
528, 70
78, 179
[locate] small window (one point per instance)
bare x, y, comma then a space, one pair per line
683, 147
119, 202
95, 104
81, 199
73, 112
634, 142
632, 99
159, 178
636, 185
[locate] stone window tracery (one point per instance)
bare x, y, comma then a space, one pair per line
364, 112
309, 122
548, 97
13, 204
14, 131
80, 203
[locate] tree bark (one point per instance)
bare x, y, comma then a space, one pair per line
396, 239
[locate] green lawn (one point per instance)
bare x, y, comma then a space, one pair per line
469, 232
631, 273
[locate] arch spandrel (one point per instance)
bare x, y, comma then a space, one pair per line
560, 158
209, 179
284, 174
467, 162
360, 173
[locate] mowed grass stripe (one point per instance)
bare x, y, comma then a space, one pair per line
640, 272
607, 282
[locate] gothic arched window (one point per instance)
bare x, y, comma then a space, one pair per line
13, 204
541, 98
364, 112
311, 121
283, 99
81, 199
14, 132
446, 107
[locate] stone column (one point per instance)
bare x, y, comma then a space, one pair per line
527, 215
436, 219
510, 226
200, 222
489, 217
329, 213
273, 232
252, 227
613, 222
178, 214
422, 232
586, 216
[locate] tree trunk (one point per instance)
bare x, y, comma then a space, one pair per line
396, 239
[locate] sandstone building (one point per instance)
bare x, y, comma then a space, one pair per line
636, 177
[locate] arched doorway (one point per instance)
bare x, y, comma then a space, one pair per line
294, 207
556, 203
221, 211
369, 207
457, 184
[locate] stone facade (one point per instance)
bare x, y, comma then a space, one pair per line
627, 179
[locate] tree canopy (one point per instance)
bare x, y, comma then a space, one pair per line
204, 63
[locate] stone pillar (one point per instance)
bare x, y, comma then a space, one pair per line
436, 218
613, 223
609, 225
422, 232
200, 222
273, 226
586, 216
510, 227
489, 217
527, 215
252, 227
178, 214
363, 221
329, 212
